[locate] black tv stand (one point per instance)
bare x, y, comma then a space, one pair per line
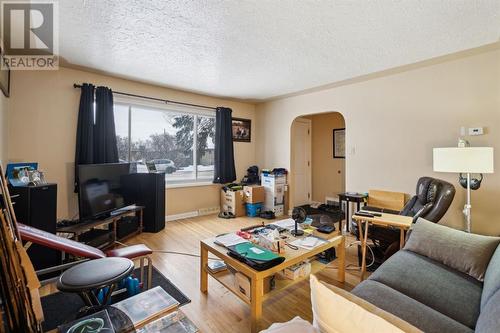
83, 228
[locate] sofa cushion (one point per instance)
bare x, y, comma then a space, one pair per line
296, 325
465, 252
406, 308
491, 278
338, 311
452, 293
489, 320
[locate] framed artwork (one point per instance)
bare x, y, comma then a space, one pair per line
242, 130
4, 75
339, 143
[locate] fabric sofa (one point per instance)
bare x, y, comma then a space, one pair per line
436, 282
444, 280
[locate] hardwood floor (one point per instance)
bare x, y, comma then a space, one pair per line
220, 310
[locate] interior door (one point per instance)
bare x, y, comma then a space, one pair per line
301, 161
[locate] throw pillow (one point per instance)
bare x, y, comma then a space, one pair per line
465, 252
296, 325
338, 311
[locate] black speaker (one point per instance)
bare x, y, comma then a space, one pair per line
36, 206
148, 190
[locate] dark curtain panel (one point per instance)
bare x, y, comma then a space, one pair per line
224, 170
105, 148
85, 130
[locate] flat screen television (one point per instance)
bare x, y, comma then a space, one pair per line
101, 190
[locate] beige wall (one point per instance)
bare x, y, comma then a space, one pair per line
395, 120
43, 111
3, 129
327, 172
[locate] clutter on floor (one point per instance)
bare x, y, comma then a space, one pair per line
265, 200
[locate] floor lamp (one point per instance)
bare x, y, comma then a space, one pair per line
467, 160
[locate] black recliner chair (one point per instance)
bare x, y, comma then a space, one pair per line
432, 200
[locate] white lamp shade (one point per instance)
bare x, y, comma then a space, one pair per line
466, 160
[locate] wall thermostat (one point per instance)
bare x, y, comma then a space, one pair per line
476, 131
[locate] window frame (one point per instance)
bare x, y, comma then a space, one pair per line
130, 103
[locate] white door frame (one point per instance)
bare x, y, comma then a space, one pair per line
308, 122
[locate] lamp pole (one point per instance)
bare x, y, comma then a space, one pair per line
467, 207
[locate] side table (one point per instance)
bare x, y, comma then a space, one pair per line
349, 197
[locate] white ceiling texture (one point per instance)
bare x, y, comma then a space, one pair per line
259, 49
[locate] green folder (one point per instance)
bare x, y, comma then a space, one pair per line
254, 252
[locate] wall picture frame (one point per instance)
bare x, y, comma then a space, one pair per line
242, 130
4, 75
339, 143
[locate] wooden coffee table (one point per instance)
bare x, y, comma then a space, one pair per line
257, 278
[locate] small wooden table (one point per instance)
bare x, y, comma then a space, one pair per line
257, 277
401, 222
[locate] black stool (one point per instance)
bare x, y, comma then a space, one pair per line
92, 275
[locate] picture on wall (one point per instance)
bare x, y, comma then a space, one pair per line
339, 143
242, 130
4, 75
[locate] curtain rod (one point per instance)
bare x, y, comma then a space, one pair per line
166, 101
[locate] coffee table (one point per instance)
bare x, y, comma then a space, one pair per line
257, 295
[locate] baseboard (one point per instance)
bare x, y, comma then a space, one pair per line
209, 211
174, 217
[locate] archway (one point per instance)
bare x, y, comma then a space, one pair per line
317, 169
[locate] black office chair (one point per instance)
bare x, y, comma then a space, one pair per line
432, 199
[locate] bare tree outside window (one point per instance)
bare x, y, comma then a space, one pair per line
166, 140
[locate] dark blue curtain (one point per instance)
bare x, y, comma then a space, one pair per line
105, 148
84, 153
224, 170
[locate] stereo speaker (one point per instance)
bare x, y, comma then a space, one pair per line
36, 206
148, 190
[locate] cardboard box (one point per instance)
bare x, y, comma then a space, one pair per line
275, 187
233, 201
294, 272
269, 180
254, 193
243, 285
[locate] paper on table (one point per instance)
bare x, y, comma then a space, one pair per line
308, 243
286, 224
229, 239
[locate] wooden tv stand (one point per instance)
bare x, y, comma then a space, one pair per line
78, 229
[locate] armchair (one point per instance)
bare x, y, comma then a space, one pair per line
432, 200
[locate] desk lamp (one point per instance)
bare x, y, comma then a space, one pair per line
465, 160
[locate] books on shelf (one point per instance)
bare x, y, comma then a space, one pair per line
215, 266
175, 322
146, 306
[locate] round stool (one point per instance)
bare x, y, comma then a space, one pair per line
92, 275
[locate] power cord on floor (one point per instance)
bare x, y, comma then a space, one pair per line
172, 252
183, 254
352, 267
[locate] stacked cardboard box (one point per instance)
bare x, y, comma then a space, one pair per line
274, 187
254, 198
233, 202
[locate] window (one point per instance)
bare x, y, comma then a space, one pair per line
165, 139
